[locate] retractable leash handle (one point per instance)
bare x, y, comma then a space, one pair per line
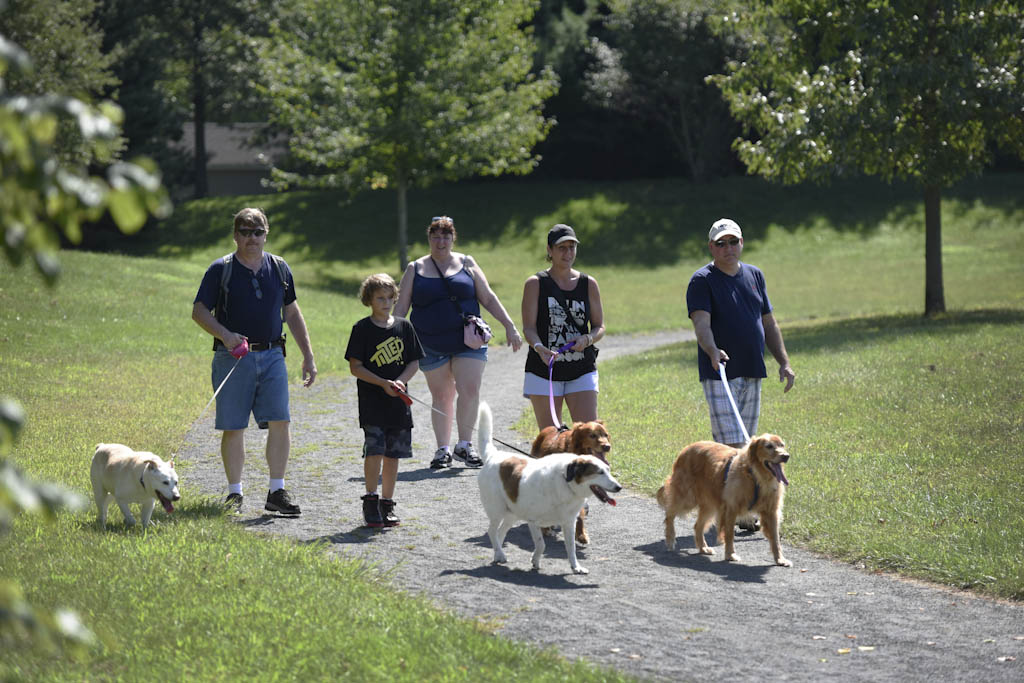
551, 384
732, 401
241, 349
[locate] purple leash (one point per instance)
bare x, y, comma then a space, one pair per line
551, 388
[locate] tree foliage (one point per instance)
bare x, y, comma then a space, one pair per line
137, 32
920, 91
181, 60
654, 66
66, 49
405, 93
42, 196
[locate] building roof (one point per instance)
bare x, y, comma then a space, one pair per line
228, 146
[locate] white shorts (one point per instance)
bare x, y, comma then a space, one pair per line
534, 385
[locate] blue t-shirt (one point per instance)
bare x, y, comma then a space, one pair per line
254, 299
736, 304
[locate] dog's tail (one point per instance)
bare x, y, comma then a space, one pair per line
662, 495
484, 428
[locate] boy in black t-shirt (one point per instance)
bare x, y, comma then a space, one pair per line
383, 353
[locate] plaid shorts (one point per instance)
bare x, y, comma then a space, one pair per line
391, 442
747, 392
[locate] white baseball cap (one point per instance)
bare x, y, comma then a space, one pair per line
722, 227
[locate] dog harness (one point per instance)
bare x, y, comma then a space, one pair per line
757, 487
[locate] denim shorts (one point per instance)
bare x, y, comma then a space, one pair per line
432, 359
747, 393
391, 442
258, 385
538, 386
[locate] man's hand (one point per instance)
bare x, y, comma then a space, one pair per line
787, 375
308, 372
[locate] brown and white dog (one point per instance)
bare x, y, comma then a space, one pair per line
583, 438
545, 491
726, 484
130, 476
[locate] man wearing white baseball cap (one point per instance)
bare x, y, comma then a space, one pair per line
727, 300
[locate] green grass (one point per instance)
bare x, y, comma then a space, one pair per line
111, 354
198, 599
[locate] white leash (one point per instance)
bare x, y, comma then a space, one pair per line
732, 402
238, 352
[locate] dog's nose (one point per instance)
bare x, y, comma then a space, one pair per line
606, 447
176, 497
785, 457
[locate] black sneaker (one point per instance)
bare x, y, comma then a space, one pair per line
751, 524
233, 503
442, 459
280, 502
371, 511
387, 511
468, 455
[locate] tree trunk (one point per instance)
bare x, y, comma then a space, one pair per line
199, 109
403, 221
934, 293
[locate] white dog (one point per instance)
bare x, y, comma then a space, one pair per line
543, 492
132, 477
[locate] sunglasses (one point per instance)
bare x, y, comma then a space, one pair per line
256, 286
732, 243
251, 232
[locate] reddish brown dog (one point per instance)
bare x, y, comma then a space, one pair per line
725, 484
583, 438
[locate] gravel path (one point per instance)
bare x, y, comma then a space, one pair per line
643, 610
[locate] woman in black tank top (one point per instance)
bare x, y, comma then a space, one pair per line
562, 305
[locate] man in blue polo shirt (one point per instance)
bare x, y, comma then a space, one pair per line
728, 303
250, 303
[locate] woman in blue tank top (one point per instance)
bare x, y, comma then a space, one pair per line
440, 287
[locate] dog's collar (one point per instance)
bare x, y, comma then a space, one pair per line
142, 483
757, 487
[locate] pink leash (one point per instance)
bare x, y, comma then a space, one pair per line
551, 387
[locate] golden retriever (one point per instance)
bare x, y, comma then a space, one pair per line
583, 438
726, 484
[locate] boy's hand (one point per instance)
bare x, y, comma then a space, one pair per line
394, 387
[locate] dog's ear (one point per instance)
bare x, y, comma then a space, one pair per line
570, 471
151, 464
576, 440
600, 422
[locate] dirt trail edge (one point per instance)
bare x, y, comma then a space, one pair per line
643, 610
